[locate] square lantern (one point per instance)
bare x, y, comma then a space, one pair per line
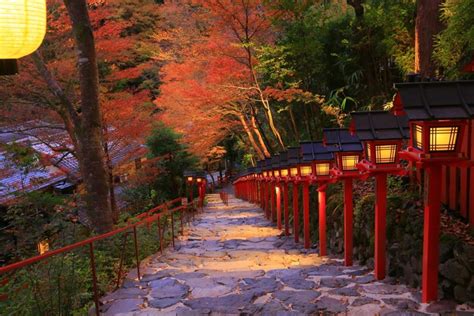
382, 134
321, 158
294, 161
284, 170
276, 166
200, 177
438, 113
267, 169
258, 169
346, 147
189, 176
306, 163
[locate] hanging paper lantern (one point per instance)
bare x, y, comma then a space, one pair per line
22, 27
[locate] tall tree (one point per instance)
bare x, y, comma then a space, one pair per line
428, 25
88, 125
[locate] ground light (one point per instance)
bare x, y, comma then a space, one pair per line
293, 161
347, 149
321, 161
438, 114
382, 135
22, 30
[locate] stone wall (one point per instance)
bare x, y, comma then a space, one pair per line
404, 237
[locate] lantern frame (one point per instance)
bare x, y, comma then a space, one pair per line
425, 152
380, 129
294, 159
284, 169
343, 144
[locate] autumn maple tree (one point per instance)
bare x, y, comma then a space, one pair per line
104, 103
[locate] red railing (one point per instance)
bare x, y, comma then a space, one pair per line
166, 213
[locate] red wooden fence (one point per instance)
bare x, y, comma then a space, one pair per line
458, 183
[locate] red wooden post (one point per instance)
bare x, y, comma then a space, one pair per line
286, 210
431, 233
296, 219
322, 220
278, 205
272, 202
348, 222
306, 233
380, 225
265, 198
191, 193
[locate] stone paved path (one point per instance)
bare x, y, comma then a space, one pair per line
233, 261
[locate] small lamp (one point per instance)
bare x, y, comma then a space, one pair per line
382, 135
293, 162
347, 149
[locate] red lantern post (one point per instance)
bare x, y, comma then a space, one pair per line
293, 161
321, 160
382, 134
348, 151
438, 114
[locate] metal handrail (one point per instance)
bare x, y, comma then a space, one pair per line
144, 218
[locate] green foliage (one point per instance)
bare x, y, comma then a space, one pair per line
455, 45
171, 158
53, 217
62, 285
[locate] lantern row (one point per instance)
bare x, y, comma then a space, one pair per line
196, 178
425, 127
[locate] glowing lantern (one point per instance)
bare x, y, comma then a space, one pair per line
382, 134
438, 114
43, 247
22, 30
347, 149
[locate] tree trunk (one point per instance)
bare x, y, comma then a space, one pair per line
89, 132
358, 8
428, 25
110, 169
255, 129
247, 130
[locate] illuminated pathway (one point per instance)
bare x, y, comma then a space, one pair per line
232, 260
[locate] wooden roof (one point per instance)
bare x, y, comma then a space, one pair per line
437, 100
341, 140
315, 151
380, 125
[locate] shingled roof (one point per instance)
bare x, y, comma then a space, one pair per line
276, 161
380, 125
341, 140
437, 100
283, 159
293, 156
267, 164
315, 151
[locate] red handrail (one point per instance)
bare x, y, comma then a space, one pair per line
145, 218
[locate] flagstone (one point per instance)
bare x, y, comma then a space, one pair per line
232, 261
